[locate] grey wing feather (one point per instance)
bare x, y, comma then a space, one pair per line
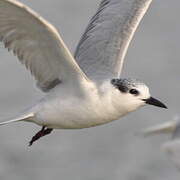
102, 48
38, 45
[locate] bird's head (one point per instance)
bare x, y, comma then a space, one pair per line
133, 94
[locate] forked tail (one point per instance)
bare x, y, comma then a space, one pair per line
19, 118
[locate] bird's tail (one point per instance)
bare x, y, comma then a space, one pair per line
25, 117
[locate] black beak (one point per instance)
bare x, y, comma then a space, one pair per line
155, 102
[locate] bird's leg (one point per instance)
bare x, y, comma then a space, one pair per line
40, 134
37, 136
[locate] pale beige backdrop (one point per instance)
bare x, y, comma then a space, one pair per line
111, 151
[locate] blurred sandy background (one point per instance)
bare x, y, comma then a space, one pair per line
111, 151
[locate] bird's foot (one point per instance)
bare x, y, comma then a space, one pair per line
44, 131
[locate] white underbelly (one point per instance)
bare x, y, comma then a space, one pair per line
70, 120
74, 115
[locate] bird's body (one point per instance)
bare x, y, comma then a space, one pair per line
71, 110
84, 90
65, 109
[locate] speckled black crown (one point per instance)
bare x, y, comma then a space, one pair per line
124, 85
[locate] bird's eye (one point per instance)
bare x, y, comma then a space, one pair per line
134, 91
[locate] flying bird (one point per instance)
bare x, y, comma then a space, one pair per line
83, 90
171, 147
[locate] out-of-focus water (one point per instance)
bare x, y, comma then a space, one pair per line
111, 151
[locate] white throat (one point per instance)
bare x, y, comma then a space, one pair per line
114, 103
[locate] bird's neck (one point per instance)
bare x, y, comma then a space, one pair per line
115, 103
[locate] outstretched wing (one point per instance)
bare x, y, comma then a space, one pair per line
102, 48
38, 45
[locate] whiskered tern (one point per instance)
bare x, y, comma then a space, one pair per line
83, 90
